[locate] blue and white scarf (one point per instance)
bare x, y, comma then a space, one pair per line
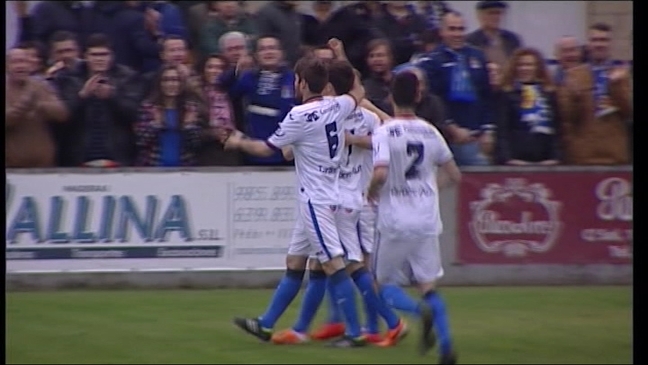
600, 74
461, 86
535, 111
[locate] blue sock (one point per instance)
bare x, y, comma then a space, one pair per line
373, 303
397, 298
284, 294
345, 295
313, 297
441, 325
335, 315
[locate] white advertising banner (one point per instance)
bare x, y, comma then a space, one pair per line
149, 221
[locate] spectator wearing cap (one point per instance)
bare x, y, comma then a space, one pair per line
498, 44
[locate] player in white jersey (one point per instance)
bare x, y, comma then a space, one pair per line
359, 126
315, 131
408, 154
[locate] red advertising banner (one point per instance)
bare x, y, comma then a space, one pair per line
545, 218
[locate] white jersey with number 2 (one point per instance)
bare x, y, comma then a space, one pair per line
316, 132
409, 200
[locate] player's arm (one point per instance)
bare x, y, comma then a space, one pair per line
288, 133
287, 153
358, 141
364, 141
255, 147
365, 103
448, 172
381, 163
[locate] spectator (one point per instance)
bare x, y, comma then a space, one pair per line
65, 53
315, 28
596, 105
498, 44
233, 45
79, 17
569, 54
136, 40
221, 114
103, 99
36, 54
380, 63
324, 52
527, 130
269, 91
430, 40
353, 30
171, 19
169, 127
402, 28
24, 21
174, 53
29, 105
430, 108
230, 18
282, 20
458, 74
433, 11
197, 17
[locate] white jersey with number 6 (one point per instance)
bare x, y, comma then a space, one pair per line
316, 132
409, 200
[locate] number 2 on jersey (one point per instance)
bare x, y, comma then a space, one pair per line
416, 149
332, 138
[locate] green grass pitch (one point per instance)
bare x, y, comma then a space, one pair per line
541, 325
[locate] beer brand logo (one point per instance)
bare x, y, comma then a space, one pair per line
515, 218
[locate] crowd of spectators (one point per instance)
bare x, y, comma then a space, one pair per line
148, 83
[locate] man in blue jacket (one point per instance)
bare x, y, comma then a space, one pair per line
268, 91
457, 73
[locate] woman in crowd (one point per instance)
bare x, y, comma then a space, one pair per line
527, 131
221, 114
169, 130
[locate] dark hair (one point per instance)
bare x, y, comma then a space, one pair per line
172, 37
266, 36
379, 42
200, 66
187, 94
62, 36
341, 76
98, 40
38, 46
405, 89
601, 27
314, 72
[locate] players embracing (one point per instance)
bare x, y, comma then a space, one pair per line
330, 137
